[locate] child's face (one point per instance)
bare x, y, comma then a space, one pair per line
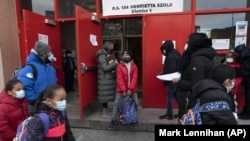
230, 55
59, 96
16, 87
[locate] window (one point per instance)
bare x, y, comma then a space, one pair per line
221, 4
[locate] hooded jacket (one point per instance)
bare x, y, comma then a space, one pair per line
46, 75
13, 111
208, 90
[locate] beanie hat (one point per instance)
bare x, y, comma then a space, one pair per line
127, 52
223, 72
41, 48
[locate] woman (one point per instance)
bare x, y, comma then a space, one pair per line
53, 102
13, 109
196, 64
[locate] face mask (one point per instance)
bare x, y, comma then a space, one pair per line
51, 58
68, 54
126, 60
20, 94
229, 60
110, 51
229, 88
61, 105
164, 52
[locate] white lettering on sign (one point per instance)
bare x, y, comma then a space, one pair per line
127, 7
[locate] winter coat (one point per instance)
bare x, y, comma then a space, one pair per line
171, 63
56, 118
46, 75
209, 90
199, 68
106, 78
126, 77
13, 111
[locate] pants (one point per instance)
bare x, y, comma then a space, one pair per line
69, 80
183, 102
172, 92
247, 96
118, 97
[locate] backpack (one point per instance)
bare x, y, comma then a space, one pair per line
18, 69
127, 111
22, 130
193, 117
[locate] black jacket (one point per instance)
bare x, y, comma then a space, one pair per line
209, 91
200, 67
172, 63
56, 117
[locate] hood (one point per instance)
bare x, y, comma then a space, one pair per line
33, 58
205, 85
101, 52
168, 46
208, 52
5, 98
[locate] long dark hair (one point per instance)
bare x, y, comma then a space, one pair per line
10, 84
196, 41
48, 92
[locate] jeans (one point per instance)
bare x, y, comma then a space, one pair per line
171, 93
118, 97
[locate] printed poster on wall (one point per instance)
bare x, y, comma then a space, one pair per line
241, 32
43, 38
127, 7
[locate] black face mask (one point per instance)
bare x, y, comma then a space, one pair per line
126, 60
110, 51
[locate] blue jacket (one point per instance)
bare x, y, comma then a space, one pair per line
46, 75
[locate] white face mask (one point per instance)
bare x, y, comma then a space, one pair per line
229, 88
229, 60
52, 58
69, 55
20, 94
61, 105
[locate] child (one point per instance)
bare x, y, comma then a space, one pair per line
53, 102
231, 61
127, 76
13, 109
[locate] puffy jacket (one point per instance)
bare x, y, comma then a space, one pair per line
238, 79
46, 75
56, 119
208, 90
12, 112
126, 77
106, 78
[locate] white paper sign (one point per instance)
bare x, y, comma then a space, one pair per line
241, 32
127, 7
93, 40
43, 38
222, 44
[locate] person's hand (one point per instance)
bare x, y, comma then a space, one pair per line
129, 92
175, 80
124, 94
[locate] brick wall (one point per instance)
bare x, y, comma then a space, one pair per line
9, 44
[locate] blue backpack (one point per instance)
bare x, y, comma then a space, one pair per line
193, 117
127, 111
22, 130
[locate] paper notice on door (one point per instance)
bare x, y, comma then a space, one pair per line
93, 40
169, 77
43, 38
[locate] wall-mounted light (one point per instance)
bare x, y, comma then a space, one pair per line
50, 22
95, 19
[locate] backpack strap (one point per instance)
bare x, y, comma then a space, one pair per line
34, 70
214, 106
45, 118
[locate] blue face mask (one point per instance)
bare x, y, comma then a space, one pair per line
61, 105
20, 94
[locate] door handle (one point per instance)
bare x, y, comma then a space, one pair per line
85, 68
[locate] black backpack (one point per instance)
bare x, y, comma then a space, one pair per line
18, 69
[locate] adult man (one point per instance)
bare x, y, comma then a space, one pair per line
41, 57
69, 68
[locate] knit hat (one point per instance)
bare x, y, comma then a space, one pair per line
41, 48
223, 72
127, 52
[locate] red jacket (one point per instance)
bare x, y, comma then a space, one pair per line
238, 79
122, 84
12, 112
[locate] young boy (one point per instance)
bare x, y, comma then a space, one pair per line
126, 85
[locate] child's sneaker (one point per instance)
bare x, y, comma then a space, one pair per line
112, 125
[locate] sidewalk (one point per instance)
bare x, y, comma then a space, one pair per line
93, 119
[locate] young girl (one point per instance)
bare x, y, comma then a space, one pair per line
53, 102
231, 61
13, 109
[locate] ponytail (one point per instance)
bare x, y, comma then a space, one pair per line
39, 101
